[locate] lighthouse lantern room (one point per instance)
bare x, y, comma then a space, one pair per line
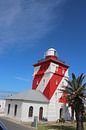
51, 53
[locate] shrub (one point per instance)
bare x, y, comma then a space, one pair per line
62, 120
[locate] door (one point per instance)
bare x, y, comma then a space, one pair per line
40, 113
61, 113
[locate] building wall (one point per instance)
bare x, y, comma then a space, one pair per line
12, 106
51, 111
36, 107
2, 107
55, 106
54, 109
23, 110
47, 77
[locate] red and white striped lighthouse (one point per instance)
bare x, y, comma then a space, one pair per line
48, 78
49, 74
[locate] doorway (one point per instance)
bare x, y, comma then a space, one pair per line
40, 113
61, 113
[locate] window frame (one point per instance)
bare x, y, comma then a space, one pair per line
8, 111
30, 114
15, 109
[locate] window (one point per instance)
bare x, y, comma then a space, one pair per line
56, 68
55, 53
43, 82
8, 109
56, 94
63, 71
37, 82
56, 82
63, 83
15, 110
1, 128
61, 113
30, 111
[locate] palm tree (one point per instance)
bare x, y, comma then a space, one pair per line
75, 98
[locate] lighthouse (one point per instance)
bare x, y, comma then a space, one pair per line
44, 101
48, 78
49, 73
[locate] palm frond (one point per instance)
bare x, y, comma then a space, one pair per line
69, 89
69, 83
80, 79
82, 98
74, 81
84, 86
81, 89
73, 76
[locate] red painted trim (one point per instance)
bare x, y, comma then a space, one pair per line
63, 97
51, 86
39, 75
62, 100
50, 59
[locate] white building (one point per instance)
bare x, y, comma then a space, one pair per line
24, 106
45, 100
3, 96
2, 107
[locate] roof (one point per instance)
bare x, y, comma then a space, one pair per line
51, 59
30, 95
5, 94
51, 56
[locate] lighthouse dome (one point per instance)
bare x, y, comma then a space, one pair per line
51, 52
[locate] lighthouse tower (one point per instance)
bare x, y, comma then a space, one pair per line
48, 78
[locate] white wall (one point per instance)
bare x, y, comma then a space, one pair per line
11, 113
36, 106
52, 110
23, 109
54, 105
2, 107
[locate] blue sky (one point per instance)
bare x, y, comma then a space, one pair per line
29, 27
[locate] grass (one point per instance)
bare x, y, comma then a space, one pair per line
59, 126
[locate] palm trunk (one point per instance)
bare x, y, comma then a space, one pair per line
72, 110
79, 121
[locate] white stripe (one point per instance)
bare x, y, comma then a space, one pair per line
36, 69
47, 76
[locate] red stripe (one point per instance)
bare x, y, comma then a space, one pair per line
63, 97
40, 74
51, 86
62, 100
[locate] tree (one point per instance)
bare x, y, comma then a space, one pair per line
75, 98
